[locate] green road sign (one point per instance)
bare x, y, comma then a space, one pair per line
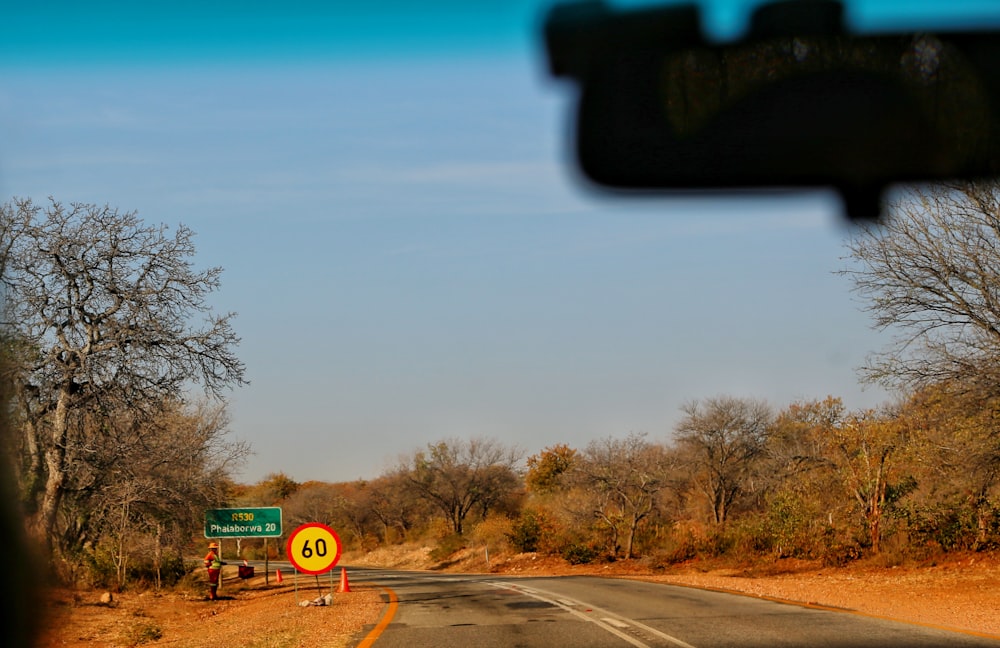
243, 522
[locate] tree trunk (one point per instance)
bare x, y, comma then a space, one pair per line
631, 538
874, 528
719, 508
875, 512
121, 559
30, 481
55, 482
159, 556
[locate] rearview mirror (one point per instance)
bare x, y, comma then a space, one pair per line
798, 102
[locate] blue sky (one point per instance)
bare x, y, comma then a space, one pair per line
410, 252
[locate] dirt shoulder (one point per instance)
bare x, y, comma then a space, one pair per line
964, 600
250, 614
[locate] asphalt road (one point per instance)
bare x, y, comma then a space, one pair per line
484, 611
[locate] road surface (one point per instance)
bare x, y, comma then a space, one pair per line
436, 610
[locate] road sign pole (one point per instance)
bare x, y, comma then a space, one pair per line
221, 567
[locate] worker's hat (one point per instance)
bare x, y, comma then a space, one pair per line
213, 545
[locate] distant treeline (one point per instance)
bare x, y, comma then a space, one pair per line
737, 478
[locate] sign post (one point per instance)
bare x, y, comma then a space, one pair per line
313, 548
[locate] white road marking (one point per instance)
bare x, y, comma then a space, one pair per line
590, 619
607, 622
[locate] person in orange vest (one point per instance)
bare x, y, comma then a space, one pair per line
213, 563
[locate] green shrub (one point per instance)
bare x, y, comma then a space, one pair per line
719, 542
677, 548
579, 553
98, 569
837, 550
447, 546
172, 570
951, 526
526, 534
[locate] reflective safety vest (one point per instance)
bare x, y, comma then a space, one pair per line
212, 560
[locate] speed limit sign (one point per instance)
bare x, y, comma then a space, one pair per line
313, 548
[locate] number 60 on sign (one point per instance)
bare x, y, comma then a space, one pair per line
313, 548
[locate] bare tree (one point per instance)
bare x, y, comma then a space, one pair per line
624, 478
459, 476
931, 274
313, 502
798, 436
723, 438
395, 505
156, 478
102, 309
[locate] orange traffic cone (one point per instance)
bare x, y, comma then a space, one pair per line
277, 573
344, 585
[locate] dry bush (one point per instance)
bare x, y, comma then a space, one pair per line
493, 532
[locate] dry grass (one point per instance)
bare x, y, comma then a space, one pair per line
250, 614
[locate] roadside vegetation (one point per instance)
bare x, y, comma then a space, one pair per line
118, 370
738, 481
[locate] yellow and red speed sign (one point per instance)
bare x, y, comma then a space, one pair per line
313, 548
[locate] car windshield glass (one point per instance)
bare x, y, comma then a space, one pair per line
272, 265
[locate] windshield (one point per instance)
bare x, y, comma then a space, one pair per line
407, 251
